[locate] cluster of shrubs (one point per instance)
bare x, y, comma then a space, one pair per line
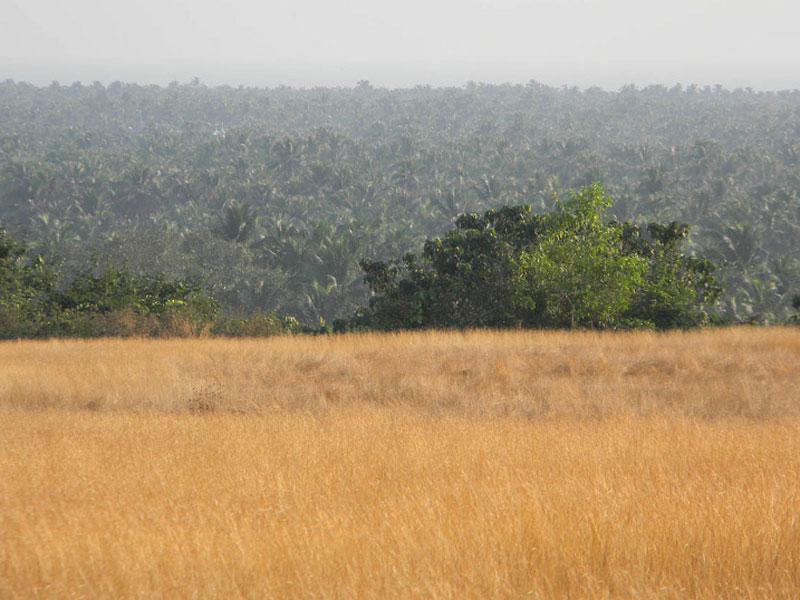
566, 269
38, 301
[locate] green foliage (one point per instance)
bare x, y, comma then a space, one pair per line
273, 211
25, 283
111, 302
256, 325
237, 221
678, 290
13, 288
577, 274
464, 277
568, 268
795, 319
117, 289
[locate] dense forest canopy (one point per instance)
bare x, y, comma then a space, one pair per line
270, 198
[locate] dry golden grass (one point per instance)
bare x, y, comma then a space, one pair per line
478, 465
747, 372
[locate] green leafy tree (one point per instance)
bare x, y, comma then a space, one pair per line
25, 283
678, 290
464, 278
13, 287
567, 268
578, 273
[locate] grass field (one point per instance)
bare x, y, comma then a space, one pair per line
433, 465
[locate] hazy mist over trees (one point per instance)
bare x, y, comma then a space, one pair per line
270, 198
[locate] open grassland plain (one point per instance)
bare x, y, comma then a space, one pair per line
431, 465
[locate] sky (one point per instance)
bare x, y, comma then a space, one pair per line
307, 43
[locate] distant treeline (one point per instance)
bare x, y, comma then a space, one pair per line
269, 200
566, 269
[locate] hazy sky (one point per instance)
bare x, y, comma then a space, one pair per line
401, 43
